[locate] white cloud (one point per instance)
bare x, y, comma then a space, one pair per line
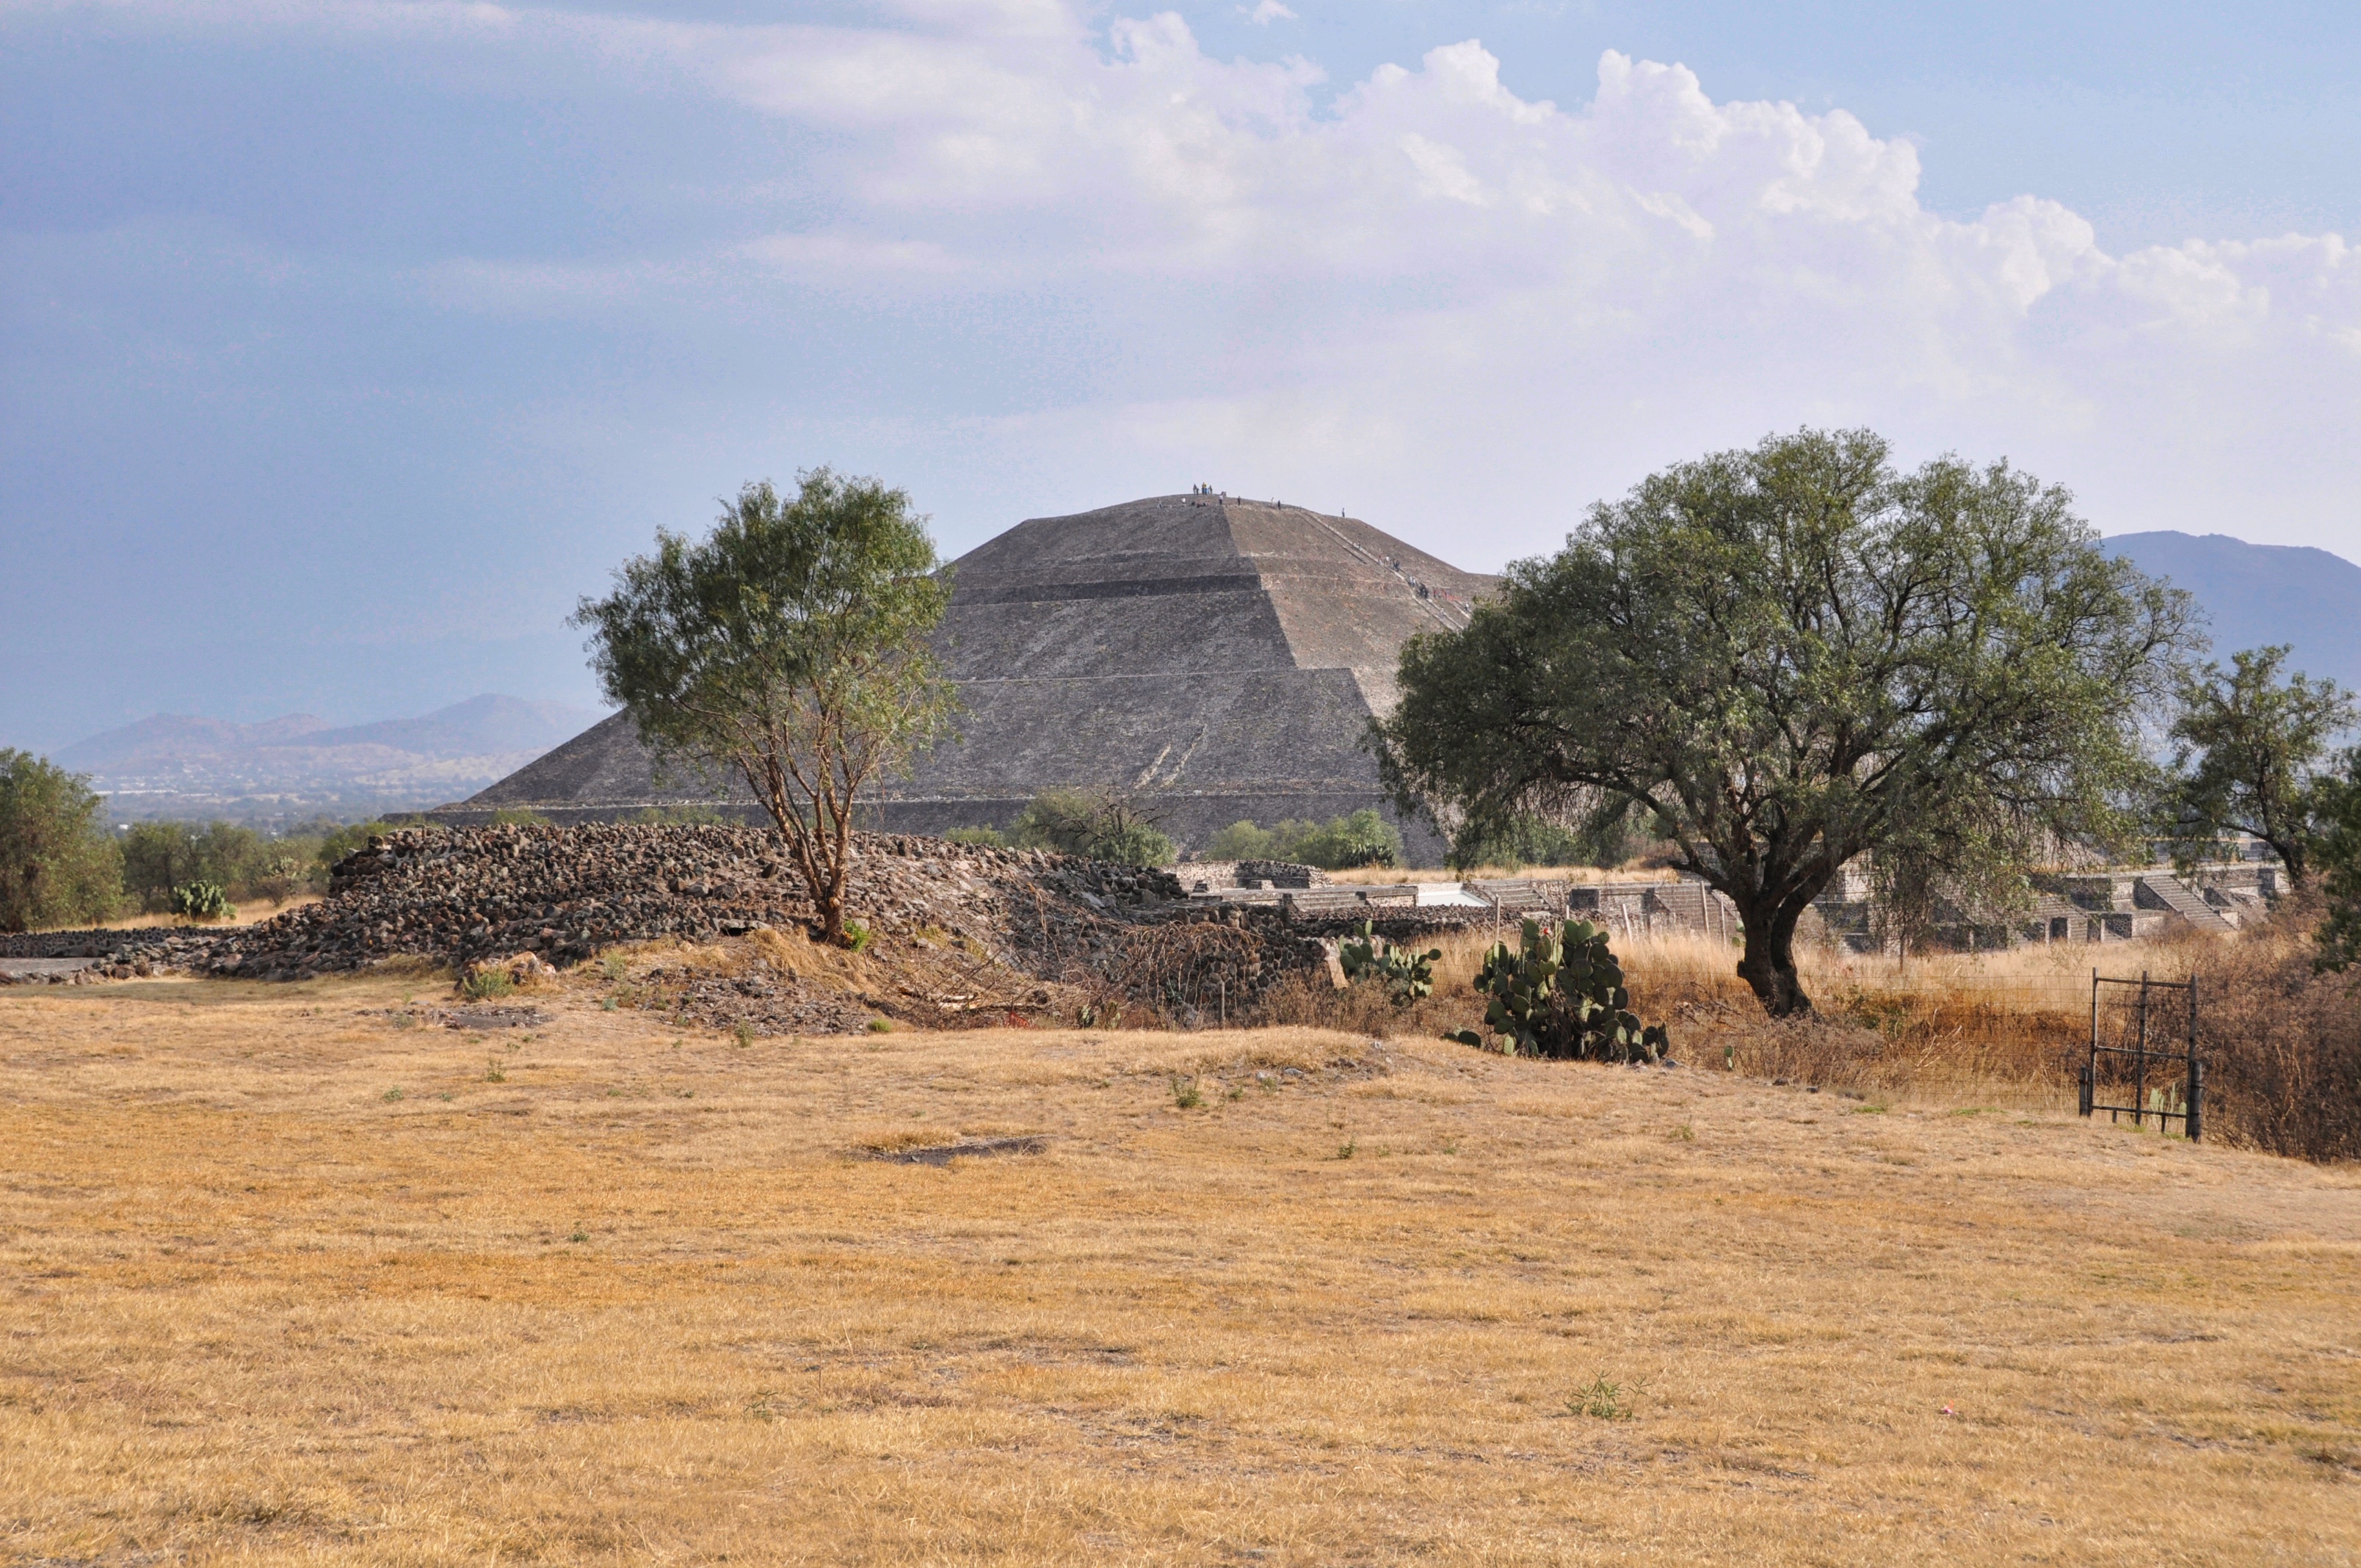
1479, 307
1265, 12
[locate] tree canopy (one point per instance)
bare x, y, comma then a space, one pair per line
2336, 851
57, 867
1788, 657
2250, 747
787, 648
1105, 823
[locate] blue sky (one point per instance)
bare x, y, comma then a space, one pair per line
346, 346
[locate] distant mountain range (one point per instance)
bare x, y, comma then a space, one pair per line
172, 765
2256, 595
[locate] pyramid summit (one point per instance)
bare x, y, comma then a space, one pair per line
1218, 658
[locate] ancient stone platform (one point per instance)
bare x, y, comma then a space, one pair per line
1220, 658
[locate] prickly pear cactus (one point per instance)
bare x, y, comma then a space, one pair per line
1406, 975
201, 901
1561, 993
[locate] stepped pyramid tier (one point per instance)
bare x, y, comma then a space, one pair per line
1218, 658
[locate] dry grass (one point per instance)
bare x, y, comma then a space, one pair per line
250, 912
1968, 1027
645, 1298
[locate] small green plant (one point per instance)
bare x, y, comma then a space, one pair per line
1345, 1149
483, 984
391, 1095
1873, 1107
609, 1003
202, 900
1407, 975
579, 1236
745, 1033
1684, 1134
980, 838
1560, 993
1184, 1093
615, 968
1601, 1401
492, 1073
858, 937
880, 1025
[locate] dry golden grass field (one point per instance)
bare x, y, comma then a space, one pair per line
293, 1275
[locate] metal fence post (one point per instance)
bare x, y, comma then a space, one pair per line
2091, 1062
2139, 1065
2195, 1123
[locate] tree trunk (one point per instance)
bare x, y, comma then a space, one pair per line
1769, 965
2291, 852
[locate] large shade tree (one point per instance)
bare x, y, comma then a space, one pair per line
790, 648
1790, 656
2251, 751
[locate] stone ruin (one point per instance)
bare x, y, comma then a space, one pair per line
1218, 659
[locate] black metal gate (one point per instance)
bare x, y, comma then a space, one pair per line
2143, 1060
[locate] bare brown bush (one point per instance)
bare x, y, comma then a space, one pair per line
2281, 1042
1314, 1002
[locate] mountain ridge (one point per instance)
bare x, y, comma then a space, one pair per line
181, 765
2259, 595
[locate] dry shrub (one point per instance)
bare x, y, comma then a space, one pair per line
1313, 1002
791, 951
1984, 1025
2281, 1042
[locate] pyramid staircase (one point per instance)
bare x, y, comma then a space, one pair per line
2172, 893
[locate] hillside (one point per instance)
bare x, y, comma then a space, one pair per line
177, 765
2259, 594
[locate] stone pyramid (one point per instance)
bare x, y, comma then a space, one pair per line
1219, 658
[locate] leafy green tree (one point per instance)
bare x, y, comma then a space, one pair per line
1242, 840
2336, 851
157, 858
2249, 746
1782, 658
1605, 840
160, 856
980, 838
58, 866
1103, 824
787, 648
1357, 839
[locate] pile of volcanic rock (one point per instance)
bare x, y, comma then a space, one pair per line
122, 954
465, 894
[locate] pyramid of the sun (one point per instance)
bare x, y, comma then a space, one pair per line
1220, 658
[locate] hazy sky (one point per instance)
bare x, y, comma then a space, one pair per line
346, 345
